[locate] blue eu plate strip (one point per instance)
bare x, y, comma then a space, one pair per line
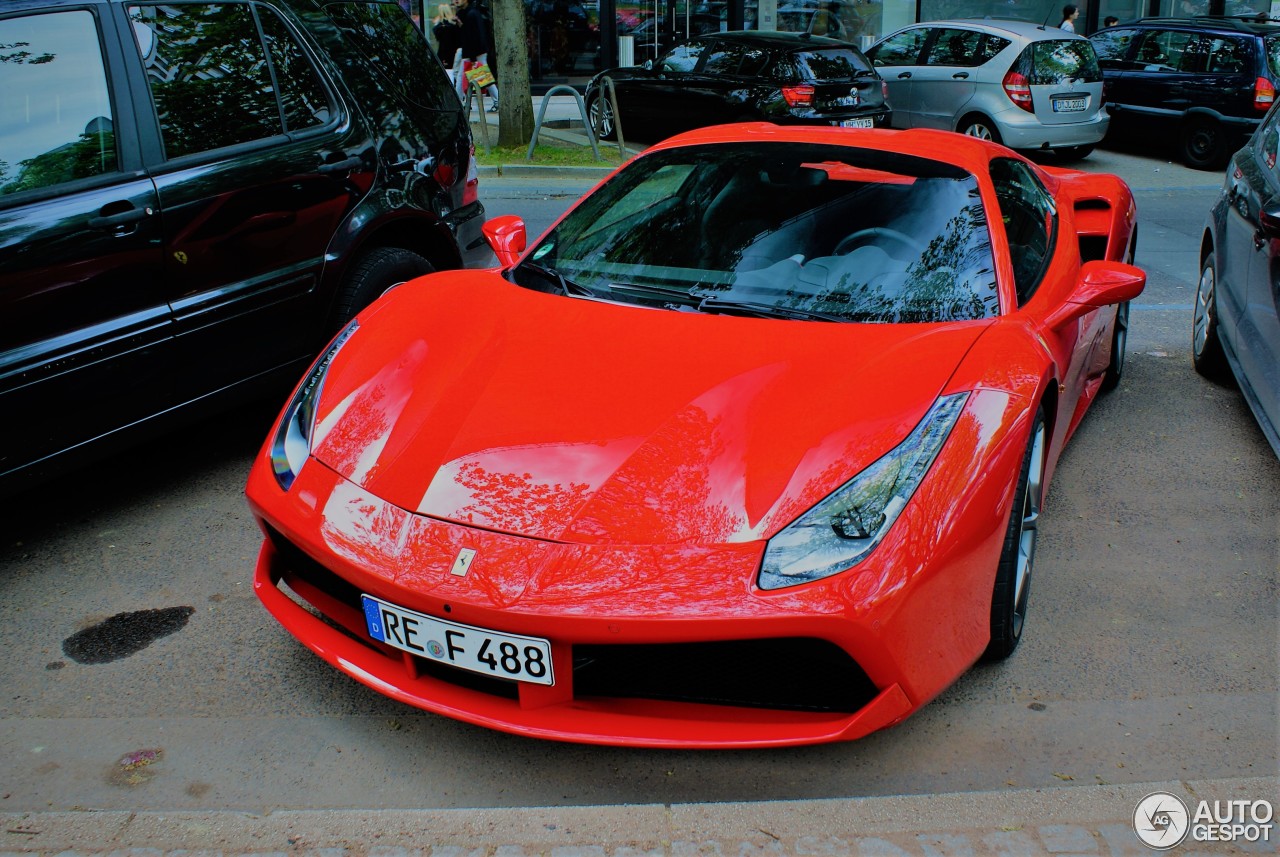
373, 618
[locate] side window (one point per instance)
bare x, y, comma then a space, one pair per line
1225, 55
753, 62
955, 48
1112, 46
900, 49
683, 58
303, 97
1030, 221
208, 74
723, 59
1161, 50
55, 110
991, 45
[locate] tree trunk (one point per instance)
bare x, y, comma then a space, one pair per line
511, 46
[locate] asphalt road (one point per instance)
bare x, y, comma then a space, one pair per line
1150, 653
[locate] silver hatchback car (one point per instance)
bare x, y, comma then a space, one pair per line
1025, 85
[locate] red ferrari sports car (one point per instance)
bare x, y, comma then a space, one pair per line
748, 450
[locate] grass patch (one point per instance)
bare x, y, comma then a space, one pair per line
548, 153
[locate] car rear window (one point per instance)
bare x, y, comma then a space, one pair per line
1060, 62
1272, 46
823, 65
396, 50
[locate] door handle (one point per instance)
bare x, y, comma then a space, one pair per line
904, 75
123, 218
340, 166
960, 75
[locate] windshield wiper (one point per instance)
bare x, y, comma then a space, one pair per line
567, 286
712, 303
671, 292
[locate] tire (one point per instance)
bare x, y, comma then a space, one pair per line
1119, 340
1074, 153
1206, 349
980, 127
600, 115
1204, 145
1017, 558
374, 274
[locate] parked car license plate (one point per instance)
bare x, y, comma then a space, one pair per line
856, 123
489, 652
1068, 105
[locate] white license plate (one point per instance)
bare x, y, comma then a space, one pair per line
1068, 105
857, 123
488, 652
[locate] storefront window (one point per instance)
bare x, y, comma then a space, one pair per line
852, 20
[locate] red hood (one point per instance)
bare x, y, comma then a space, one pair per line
469, 399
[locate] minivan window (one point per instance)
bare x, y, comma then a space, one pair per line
55, 112
302, 96
208, 75
1272, 47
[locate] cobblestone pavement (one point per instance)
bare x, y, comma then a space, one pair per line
1084, 820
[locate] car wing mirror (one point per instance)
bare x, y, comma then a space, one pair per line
1101, 284
507, 236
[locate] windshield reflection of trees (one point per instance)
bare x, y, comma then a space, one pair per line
752, 227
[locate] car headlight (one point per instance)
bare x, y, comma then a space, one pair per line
843, 529
292, 444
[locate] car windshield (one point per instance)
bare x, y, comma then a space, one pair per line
794, 230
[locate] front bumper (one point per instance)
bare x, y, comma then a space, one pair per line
653, 645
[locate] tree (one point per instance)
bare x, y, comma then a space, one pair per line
511, 50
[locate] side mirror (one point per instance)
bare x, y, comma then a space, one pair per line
648, 64
1101, 284
506, 235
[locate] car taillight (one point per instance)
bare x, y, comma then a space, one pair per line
798, 96
1264, 94
884, 90
471, 192
1018, 88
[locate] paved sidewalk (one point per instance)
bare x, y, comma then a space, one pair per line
1084, 820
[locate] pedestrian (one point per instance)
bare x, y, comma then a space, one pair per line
1069, 15
447, 29
475, 44
1110, 21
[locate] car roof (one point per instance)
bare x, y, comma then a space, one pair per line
784, 41
1217, 23
967, 153
1028, 30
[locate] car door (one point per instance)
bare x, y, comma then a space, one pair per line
898, 59
674, 92
86, 338
713, 92
944, 82
256, 162
1115, 47
1256, 302
1155, 85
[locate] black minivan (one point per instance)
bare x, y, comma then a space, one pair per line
195, 195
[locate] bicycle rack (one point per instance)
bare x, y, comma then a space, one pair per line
542, 111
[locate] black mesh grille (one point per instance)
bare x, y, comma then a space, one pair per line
797, 674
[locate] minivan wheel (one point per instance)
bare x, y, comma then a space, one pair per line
377, 272
980, 127
600, 115
1203, 144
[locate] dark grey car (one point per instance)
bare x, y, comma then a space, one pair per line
1236, 322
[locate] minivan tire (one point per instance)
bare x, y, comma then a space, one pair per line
376, 273
1204, 144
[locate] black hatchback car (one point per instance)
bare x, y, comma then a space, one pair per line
195, 195
1207, 80
745, 76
